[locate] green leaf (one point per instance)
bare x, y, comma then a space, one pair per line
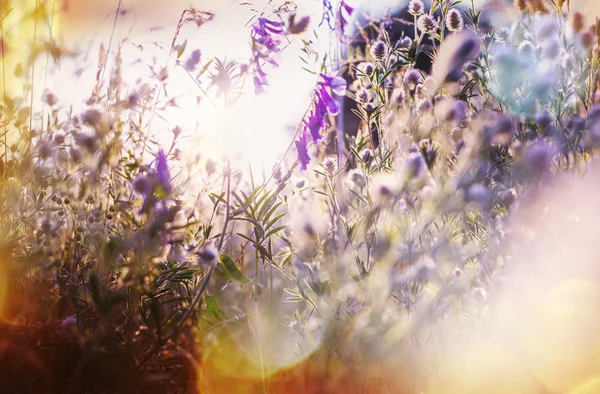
221, 273
203, 69
228, 265
275, 231
213, 309
181, 49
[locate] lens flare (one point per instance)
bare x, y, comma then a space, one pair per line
258, 351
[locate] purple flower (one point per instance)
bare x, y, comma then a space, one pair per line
265, 43
162, 172
427, 24
416, 7
344, 12
156, 186
193, 60
454, 20
329, 102
302, 148
343, 19
324, 103
316, 122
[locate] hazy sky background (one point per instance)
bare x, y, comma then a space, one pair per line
259, 128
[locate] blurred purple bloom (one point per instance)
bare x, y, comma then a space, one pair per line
162, 172
193, 60
302, 148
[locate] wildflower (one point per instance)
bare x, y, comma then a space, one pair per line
425, 105
500, 128
278, 172
398, 97
502, 35
587, 39
578, 21
344, 12
324, 104
86, 140
70, 322
141, 184
366, 155
454, 20
405, 42
366, 67
427, 24
357, 178
162, 172
133, 100
364, 96
300, 26
416, 7
479, 194
543, 118
527, 49
415, 165
379, 50
537, 158
508, 197
302, 150
47, 226
264, 44
210, 166
59, 138
412, 78
193, 60
49, 98
207, 255
94, 117
329, 164
458, 112
300, 183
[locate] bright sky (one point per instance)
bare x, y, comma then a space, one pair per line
258, 128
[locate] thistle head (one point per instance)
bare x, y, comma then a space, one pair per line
454, 20
379, 50
416, 7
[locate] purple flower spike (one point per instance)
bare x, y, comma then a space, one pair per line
324, 103
330, 103
316, 123
336, 84
162, 172
342, 19
302, 148
265, 44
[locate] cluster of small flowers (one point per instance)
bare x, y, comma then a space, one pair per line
266, 43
